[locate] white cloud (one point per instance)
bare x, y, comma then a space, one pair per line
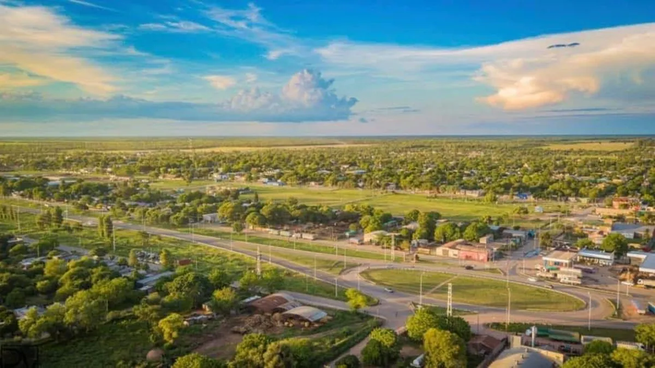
181, 26
90, 5
251, 77
41, 42
250, 25
525, 73
307, 97
220, 81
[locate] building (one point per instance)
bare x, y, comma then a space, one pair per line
633, 231
521, 356
305, 314
595, 257
485, 345
522, 235
461, 249
559, 258
487, 239
274, 303
373, 236
147, 284
210, 218
645, 260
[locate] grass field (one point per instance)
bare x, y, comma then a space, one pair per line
476, 291
606, 146
616, 334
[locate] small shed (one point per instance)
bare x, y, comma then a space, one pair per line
306, 313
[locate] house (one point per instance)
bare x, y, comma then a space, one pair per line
274, 303
210, 218
488, 239
559, 258
148, 283
521, 235
645, 260
485, 345
373, 236
306, 314
633, 231
461, 249
595, 257
521, 356
411, 226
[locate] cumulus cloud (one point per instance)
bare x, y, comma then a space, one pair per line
38, 41
18, 80
306, 97
250, 77
220, 81
527, 73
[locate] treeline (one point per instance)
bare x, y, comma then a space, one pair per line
503, 167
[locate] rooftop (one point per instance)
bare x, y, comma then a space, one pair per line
560, 255
309, 313
277, 301
522, 357
588, 253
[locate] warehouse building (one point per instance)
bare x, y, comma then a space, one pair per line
559, 258
595, 257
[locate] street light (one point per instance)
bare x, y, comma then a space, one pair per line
420, 297
589, 321
336, 286
509, 308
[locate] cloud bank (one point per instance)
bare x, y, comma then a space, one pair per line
307, 97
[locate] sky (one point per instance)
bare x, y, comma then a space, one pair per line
329, 68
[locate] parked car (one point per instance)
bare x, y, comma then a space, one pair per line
388, 290
532, 279
468, 267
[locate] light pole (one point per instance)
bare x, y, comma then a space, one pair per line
618, 292
336, 287
420, 296
269, 255
314, 267
231, 246
358, 278
509, 307
589, 321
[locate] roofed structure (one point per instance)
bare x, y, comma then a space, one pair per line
274, 303
308, 313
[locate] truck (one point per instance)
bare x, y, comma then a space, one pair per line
546, 275
638, 306
647, 283
630, 345
651, 308
570, 281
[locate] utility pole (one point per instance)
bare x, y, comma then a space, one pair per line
336, 286
345, 258
269, 255
420, 296
393, 247
509, 306
618, 291
314, 267
259, 262
358, 278
18, 217
589, 321
449, 307
231, 246
113, 234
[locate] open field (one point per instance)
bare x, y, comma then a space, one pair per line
606, 146
475, 291
616, 334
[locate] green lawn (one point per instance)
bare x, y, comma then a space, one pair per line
299, 245
614, 333
475, 291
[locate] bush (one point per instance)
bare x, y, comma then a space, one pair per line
349, 361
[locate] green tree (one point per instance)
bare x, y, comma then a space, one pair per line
148, 313
443, 349
8, 321
632, 358
195, 360
193, 284
356, 300
248, 281
165, 258
223, 301
272, 280
108, 227
170, 327
84, 310
28, 325
256, 219
114, 292
132, 259
250, 351
46, 286
376, 354
230, 211
447, 232
54, 268
420, 322
15, 298
278, 355
584, 243
475, 231
590, 361
349, 361
645, 334
388, 338
615, 243
599, 347
219, 279
237, 227
545, 240
57, 217
411, 216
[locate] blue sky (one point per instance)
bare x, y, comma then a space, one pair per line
99, 67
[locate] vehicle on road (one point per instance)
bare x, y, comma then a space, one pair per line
629, 283
646, 283
532, 279
570, 281
468, 267
388, 290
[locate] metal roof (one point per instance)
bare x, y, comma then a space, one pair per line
648, 265
522, 357
273, 302
587, 253
309, 313
560, 255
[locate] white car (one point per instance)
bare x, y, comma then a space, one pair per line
532, 279
388, 290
